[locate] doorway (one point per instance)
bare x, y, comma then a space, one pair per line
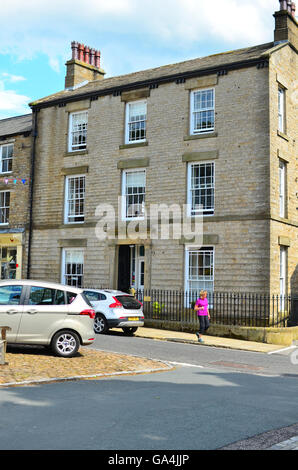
131, 267
124, 268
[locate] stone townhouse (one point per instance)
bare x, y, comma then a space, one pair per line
218, 133
15, 195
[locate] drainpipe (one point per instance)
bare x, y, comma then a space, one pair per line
33, 152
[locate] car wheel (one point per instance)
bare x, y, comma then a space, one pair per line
129, 331
100, 324
65, 343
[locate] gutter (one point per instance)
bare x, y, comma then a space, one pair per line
261, 62
32, 172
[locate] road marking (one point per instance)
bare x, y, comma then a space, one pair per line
185, 364
281, 350
154, 359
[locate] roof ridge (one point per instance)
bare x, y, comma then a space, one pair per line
16, 117
253, 52
269, 44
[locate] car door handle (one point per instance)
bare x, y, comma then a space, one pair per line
31, 312
12, 312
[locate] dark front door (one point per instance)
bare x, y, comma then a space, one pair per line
124, 268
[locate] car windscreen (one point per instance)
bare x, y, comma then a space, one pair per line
129, 302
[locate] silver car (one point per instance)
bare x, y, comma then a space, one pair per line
115, 309
46, 313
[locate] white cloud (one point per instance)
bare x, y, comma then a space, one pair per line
12, 78
32, 27
12, 103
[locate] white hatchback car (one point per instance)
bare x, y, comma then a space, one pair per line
115, 309
46, 313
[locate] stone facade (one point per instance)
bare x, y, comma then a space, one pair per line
245, 232
16, 132
283, 146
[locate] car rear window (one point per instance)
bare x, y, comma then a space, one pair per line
70, 296
129, 302
86, 299
94, 296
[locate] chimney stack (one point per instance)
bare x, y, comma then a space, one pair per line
286, 24
84, 65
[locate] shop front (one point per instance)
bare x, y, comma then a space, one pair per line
11, 250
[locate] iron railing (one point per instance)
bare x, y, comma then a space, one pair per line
227, 308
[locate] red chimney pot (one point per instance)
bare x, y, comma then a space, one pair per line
86, 54
97, 59
81, 52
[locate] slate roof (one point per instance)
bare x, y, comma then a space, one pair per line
198, 65
16, 125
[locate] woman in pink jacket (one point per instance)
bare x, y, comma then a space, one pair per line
201, 307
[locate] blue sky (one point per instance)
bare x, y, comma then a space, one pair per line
132, 35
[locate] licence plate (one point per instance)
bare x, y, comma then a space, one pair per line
133, 318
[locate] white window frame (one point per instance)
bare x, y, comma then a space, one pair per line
281, 109
205, 212
5, 159
63, 266
127, 123
67, 201
210, 249
282, 188
194, 131
125, 195
71, 146
5, 208
136, 262
283, 275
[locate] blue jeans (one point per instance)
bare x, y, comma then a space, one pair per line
204, 323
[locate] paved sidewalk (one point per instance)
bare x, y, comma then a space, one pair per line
214, 341
290, 444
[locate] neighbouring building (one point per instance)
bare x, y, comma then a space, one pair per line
218, 132
15, 177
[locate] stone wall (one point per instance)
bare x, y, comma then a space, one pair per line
284, 231
17, 235
239, 147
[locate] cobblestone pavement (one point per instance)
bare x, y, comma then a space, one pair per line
289, 444
26, 365
277, 439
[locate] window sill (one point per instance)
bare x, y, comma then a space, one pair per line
76, 152
73, 224
195, 216
133, 145
201, 136
132, 219
283, 136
